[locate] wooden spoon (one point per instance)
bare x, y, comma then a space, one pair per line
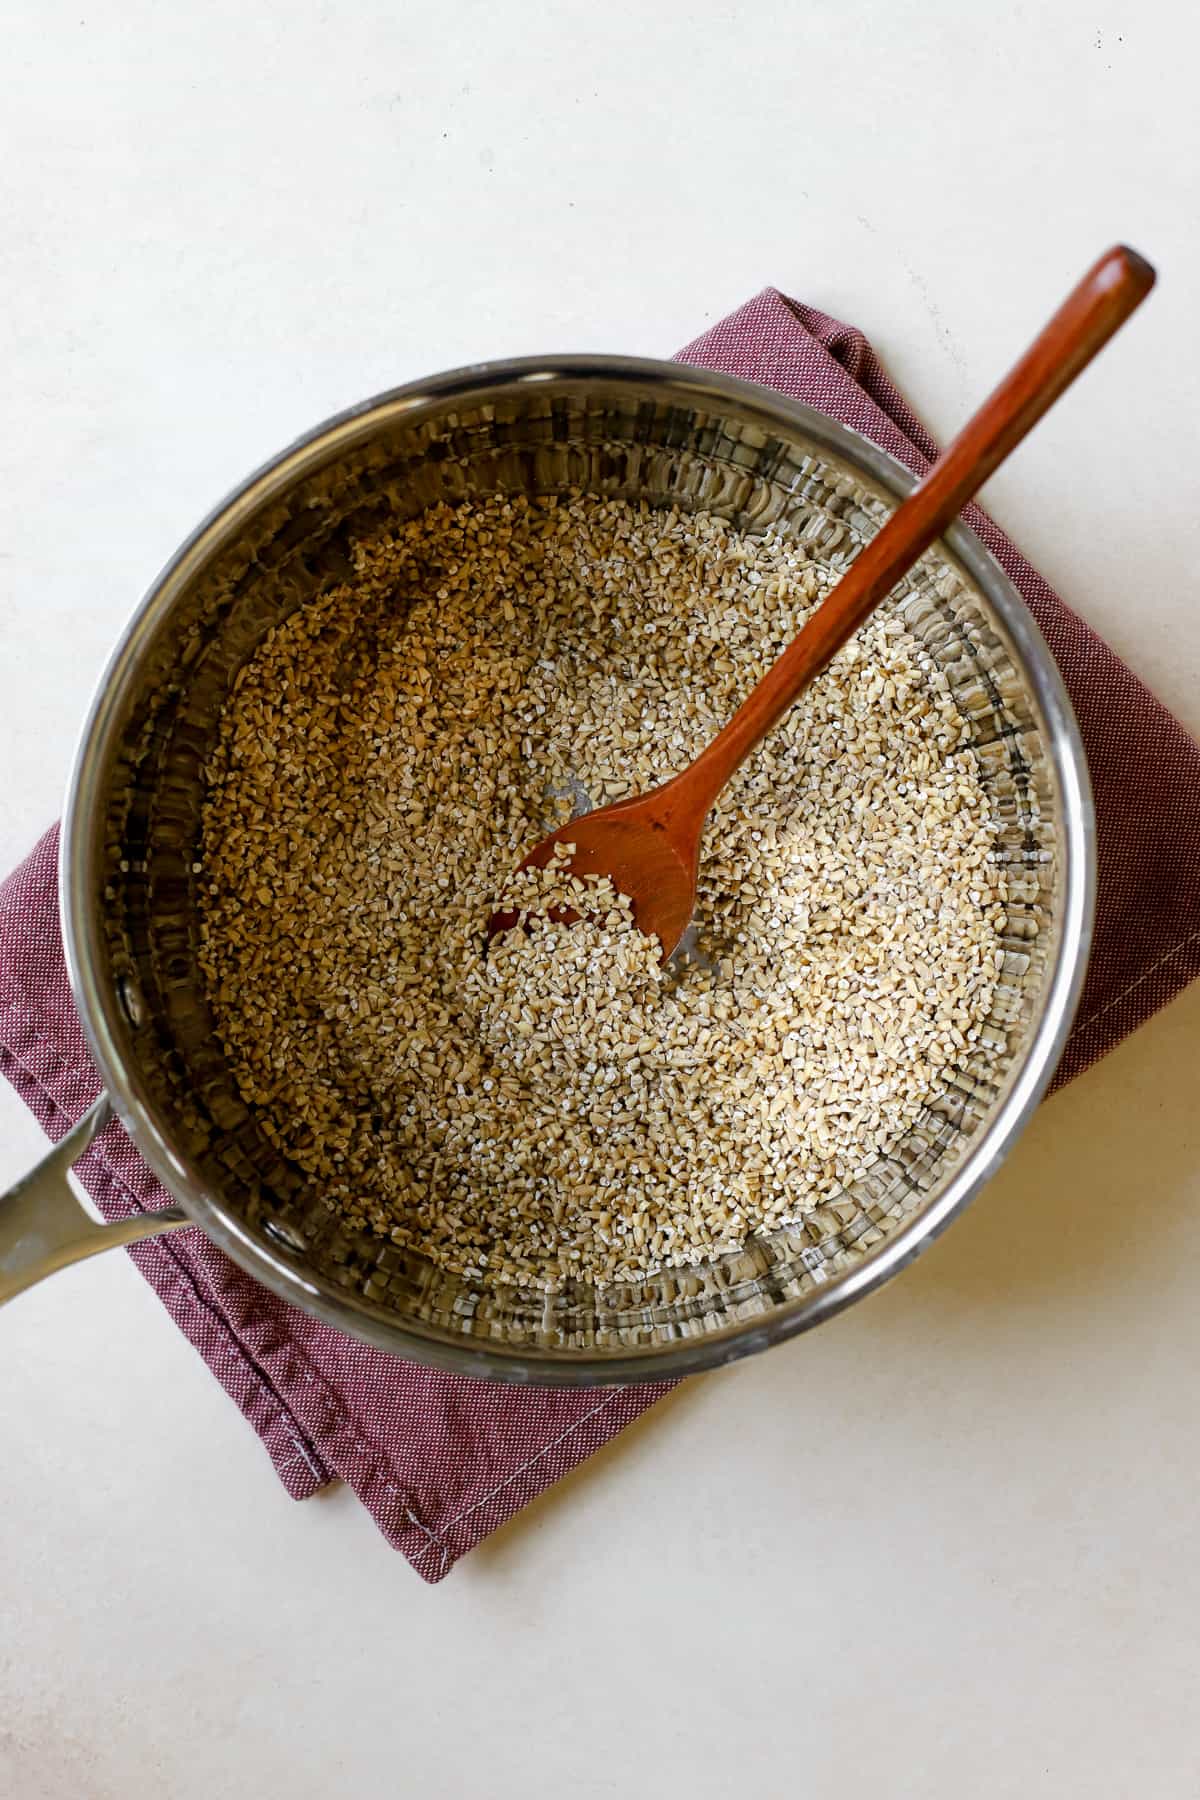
649, 845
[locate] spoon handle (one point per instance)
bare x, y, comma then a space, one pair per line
1090, 315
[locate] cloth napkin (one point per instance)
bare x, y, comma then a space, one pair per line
440, 1461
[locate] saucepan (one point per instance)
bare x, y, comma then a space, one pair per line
647, 431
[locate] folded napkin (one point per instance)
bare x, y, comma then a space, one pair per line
440, 1461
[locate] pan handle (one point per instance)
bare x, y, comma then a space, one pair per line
44, 1228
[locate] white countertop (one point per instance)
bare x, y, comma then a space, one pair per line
946, 1544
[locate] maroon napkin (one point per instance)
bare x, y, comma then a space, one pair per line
440, 1461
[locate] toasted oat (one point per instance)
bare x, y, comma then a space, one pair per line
565, 1106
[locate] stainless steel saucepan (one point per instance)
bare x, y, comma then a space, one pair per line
647, 431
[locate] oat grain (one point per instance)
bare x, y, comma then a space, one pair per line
564, 1106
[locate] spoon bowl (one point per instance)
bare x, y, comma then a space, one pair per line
647, 845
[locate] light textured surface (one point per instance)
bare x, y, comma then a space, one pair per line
946, 1542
